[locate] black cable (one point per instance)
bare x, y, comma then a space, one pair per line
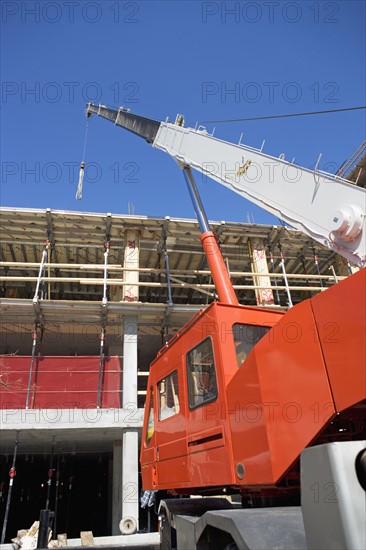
280, 116
262, 117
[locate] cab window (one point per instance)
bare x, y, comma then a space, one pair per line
201, 375
245, 338
150, 421
168, 396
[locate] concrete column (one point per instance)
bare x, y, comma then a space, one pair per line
130, 464
130, 479
130, 291
264, 295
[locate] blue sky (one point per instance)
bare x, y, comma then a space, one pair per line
207, 60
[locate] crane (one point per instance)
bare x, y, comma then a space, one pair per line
326, 207
236, 402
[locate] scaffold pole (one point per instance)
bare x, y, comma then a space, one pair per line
12, 474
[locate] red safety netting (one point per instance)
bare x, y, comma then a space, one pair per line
59, 382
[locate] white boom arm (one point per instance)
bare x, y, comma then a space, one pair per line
325, 207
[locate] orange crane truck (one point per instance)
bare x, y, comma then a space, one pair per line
237, 406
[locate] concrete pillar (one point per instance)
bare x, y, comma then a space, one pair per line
130, 464
130, 291
130, 479
264, 295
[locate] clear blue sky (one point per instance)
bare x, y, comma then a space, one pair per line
160, 59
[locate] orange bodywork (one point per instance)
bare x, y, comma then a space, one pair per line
260, 412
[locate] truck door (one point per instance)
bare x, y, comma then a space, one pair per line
148, 447
171, 430
205, 431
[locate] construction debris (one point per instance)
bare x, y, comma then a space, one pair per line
87, 538
27, 539
61, 541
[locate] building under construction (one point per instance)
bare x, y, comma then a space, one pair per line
86, 302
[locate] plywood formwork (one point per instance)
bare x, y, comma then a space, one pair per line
74, 268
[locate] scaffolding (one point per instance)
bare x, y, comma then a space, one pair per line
105, 285
67, 269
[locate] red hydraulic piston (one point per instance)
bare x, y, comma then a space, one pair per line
221, 278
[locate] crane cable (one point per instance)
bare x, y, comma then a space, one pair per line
280, 116
79, 192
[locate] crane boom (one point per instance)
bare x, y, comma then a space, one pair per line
327, 208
